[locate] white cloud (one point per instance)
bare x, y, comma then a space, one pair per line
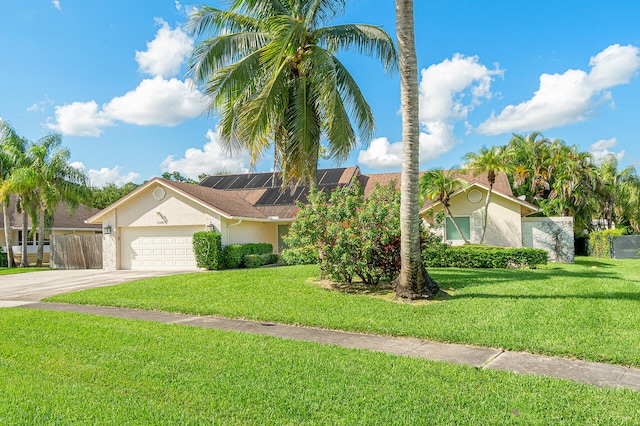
166, 53
56, 4
448, 92
212, 158
178, 6
443, 88
157, 102
600, 149
568, 98
80, 119
382, 154
105, 175
154, 102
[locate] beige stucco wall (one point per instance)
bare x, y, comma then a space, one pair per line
242, 232
144, 210
504, 220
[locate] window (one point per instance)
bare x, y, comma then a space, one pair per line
464, 222
282, 231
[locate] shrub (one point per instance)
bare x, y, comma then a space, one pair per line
3, 259
207, 249
483, 257
233, 254
347, 234
257, 260
306, 255
600, 241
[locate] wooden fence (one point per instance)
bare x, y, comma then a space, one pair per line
76, 251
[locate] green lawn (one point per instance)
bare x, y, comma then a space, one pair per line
590, 310
10, 271
63, 368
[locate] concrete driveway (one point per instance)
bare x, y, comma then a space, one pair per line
29, 287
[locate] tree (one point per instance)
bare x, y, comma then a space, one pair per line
269, 69
176, 176
438, 185
619, 195
490, 161
414, 281
102, 197
12, 149
47, 180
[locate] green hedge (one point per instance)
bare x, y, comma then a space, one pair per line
257, 260
307, 255
207, 249
3, 259
233, 255
483, 257
600, 241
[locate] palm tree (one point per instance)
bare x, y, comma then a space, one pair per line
438, 185
619, 192
490, 161
12, 149
414, 281
45, 182
270, 71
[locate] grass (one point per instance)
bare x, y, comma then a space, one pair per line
63, 368
11, 271
589, 310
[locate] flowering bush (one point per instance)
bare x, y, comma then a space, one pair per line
354, 236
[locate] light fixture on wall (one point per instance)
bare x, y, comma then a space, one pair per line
211, 227
107, 230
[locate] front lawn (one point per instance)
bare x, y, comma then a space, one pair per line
10, 271
589, 310
64, 368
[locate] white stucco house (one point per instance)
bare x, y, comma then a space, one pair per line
152, 227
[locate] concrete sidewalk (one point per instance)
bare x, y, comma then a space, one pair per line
598, 374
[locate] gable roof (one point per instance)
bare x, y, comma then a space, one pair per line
501, 187
62, 218
260, 196
228, 205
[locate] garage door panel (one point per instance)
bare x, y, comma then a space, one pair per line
157, 248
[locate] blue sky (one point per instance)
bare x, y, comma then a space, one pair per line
110, 77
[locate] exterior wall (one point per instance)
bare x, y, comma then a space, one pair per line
504, 224
251, 232
553, 234
144, 210
110, 252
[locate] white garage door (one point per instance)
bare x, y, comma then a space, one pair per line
157, 248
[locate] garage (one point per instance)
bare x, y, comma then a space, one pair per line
157, 247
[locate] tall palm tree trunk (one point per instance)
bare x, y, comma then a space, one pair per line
448, 210
414, 281
7, 235
40, 253
485, 218
24, 262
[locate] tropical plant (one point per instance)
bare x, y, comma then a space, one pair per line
439, 185
47, 180
414, 281
490, 161
12, 149
619, 195
268, 68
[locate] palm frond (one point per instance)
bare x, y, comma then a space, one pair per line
364, 39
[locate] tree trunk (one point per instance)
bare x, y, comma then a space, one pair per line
486, 214
40, 255
414, 281
446, 207
24, 262
7, 235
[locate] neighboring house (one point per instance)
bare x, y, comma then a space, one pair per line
152, 227
64, 222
